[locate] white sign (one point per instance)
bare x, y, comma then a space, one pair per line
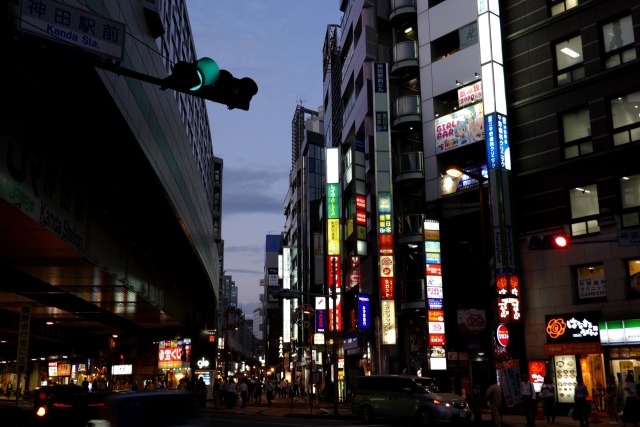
121, 369
71, 26
203, 363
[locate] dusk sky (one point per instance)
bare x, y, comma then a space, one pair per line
278, 43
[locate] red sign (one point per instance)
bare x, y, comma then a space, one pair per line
334, 270
434, 269
361, 218
361, 202
386, 288
572, 348
386, 244
170, 354
436, 339
502, 335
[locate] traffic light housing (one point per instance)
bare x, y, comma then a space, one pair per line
189, 77
230, 91
206, 80
549, 241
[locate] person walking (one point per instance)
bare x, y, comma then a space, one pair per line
270, 389
201, 392
631, 411
494, 400
582, 407
611, 398
257, 392
231, 393
548, 399
244, 393
529, 402
216, 392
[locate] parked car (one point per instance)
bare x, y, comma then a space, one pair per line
405, 397
67, 405
157, 408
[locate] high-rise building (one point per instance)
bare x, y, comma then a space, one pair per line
302, 242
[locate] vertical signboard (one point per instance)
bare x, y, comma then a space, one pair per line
435, 295
332, 163
23, 338
383, 178
497, 147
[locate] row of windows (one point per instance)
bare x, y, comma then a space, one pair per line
617, 45
585, 206
625, 120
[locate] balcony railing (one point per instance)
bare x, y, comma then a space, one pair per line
404, 54
411, 227
401, 7
409, 166
407, 109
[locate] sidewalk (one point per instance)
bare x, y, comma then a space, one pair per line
283, 407
299, 408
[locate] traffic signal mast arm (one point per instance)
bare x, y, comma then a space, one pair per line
202, 79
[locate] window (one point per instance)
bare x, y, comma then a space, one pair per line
630, 196
454, 41
590, 281
584, 204
576, 129
633, 271
625, 116
559, 6
618, 40
569, 60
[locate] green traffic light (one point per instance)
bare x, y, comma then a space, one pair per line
208, 72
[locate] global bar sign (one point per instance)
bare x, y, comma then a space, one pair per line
502, 335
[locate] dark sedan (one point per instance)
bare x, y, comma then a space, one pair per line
67, 405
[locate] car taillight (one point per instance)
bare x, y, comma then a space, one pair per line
99, 404
436, 402
41, 412
62, 405
42, 395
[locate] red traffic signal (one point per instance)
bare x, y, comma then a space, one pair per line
549, 241
560, 241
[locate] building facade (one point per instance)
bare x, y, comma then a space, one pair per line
533, 104
107, 201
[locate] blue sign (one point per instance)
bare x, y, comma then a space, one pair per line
364, 312
497, 141
435, 304
380, 83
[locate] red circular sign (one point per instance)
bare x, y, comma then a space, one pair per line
502, 334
